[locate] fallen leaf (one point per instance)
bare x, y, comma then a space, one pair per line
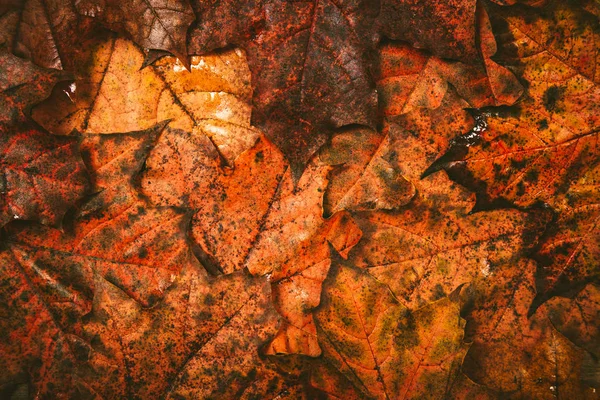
384, 350
575, 318
445, 28
151, 24
513, 353
212, 100
531, 152
47, 32
310, 66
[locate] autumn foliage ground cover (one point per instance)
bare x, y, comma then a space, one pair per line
266, 199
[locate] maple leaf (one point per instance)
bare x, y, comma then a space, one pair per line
270, 228
113, 94
512, 353
22, 85
554, 129
310, 64
294, 155
381, 348
47, 32
147, 248
151, 23
427, 249
182, 348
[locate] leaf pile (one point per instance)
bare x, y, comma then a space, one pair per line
293, 200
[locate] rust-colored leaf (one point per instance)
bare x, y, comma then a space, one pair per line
446, 28
308, 199
311, 67
381, 348
531, 152
513, 353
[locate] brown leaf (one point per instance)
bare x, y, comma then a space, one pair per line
311, 69
151, 24
47, 32
445, 28
42, 175
410, 79
381, 348
532, 152
515, 354
576, 318
23, 84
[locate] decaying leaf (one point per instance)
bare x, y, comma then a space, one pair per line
381, 348
355, 199
513, 353
311, 66
152, 24
531, 152
41, 175
47, 32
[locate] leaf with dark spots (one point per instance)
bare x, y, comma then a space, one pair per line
221, 23
41, 310
446, 28
410, 79
380, 347
515, 354
424, 253
559, 33
114, 233
533, 155
41, 175
567, 255
229, 204
322, 49
203, 340
47, 32
311, 68
366, 174
112, 94
251, 216
294, 250
23, 84
152, 24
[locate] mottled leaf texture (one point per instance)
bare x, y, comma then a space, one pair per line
153, 24
381, 348
41, 175
531, 152
521, 356
48, 32
311, 64
294, 200
23, 84
446, 28
114, 95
